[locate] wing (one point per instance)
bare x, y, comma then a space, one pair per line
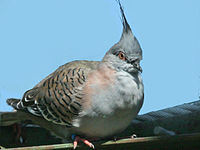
58, 98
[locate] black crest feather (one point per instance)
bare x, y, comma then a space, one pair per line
126, 26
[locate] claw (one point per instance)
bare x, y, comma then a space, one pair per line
87, 143
77, 139
75, 143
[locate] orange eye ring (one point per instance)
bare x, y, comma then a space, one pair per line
121, 56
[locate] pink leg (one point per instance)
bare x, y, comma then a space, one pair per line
86, 142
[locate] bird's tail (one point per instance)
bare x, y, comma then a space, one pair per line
17, 116
15, 103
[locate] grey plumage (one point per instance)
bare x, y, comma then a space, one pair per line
128, 42
89, 98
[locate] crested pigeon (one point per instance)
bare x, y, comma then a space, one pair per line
90, 99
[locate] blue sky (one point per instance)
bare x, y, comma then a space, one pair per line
38, 36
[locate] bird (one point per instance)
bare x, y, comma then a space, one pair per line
87, 99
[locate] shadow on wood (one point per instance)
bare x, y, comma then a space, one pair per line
183, 120
181, 142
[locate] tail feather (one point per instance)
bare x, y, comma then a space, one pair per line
15, 103
20, 114
21, 105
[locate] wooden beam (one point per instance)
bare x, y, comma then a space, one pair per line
183, 142
34, 136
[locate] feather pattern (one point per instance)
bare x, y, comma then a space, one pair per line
90, 98
59, 97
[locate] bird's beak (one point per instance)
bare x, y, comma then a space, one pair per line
136, 64
139, 68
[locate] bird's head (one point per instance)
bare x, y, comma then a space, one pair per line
127, 53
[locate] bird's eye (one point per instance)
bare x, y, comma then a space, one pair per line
121, 56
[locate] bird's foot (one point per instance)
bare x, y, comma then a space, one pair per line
77, 139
